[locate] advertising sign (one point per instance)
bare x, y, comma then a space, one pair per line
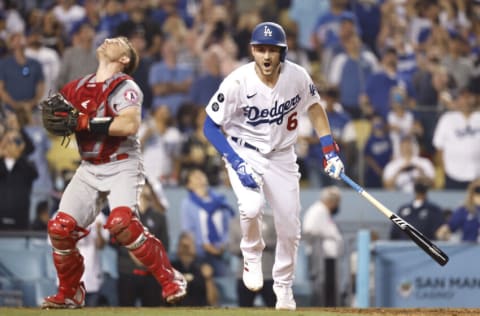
406, 277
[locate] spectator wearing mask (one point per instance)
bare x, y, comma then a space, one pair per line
324, 246
426, 216
400, 119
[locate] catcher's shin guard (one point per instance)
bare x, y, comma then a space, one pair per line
129, 232
64, 234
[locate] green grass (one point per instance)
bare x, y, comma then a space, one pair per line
115, 311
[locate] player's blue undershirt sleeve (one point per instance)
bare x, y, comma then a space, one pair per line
214, 134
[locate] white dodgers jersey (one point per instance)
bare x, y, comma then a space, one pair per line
264, 117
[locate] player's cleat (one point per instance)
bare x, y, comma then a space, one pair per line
285, 300
61, 300
175, 290
252, 275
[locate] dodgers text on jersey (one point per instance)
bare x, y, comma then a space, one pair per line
256, 116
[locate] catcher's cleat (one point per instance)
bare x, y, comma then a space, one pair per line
176, 290
62, 301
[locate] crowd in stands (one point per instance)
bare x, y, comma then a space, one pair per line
400, 80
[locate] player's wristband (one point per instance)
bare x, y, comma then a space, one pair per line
100, 125
328, 146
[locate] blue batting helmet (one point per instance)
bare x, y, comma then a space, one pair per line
269, 33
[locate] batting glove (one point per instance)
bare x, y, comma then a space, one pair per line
246, 174
332, 163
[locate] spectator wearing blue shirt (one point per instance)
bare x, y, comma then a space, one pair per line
325, 32
204, 86
426, 216
465, 218
350, 71
21, 78
206, 214
348, 28
170, 81
368, 13
406, 58
381, 83
378, 152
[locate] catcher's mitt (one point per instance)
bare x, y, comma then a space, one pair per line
58, 115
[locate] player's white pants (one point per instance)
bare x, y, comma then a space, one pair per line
281, 190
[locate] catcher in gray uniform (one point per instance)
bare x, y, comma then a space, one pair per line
104, 111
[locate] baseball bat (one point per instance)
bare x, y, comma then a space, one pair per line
423, 242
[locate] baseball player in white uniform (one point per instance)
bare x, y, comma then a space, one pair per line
258, 106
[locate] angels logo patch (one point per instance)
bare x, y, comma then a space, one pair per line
131, 96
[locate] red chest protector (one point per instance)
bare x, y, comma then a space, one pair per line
91, 98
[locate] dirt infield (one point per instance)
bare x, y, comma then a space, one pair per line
403, 311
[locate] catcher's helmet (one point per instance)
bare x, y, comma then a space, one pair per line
269, 33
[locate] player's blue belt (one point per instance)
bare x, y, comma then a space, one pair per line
243, 143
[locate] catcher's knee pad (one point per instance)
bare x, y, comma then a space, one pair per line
125, 227
251, 207
64, 232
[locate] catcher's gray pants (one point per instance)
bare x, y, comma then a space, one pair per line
119, 182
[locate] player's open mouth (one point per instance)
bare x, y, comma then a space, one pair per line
266, 65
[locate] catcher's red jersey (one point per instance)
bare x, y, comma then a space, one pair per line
93, 99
